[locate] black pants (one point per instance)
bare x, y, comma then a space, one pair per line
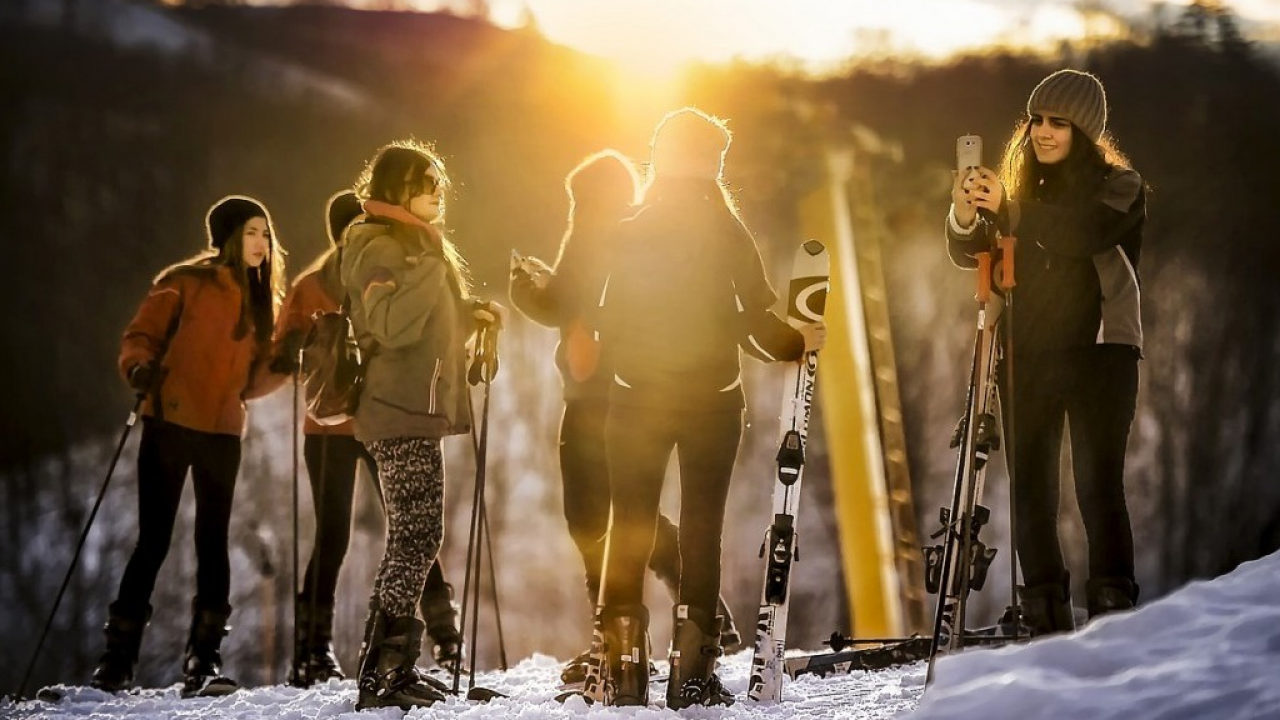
166, 453
332, 461
584, 476
639, 443
1095, 390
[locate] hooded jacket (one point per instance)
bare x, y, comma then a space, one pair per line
188, 323
412, 321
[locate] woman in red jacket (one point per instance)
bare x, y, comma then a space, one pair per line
332, 454
196, 350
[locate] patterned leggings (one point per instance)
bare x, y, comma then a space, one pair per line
412, 473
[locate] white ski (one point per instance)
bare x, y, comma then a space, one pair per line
807, 296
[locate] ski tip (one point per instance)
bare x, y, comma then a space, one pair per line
813, 247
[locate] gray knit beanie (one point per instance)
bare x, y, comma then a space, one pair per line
1077, 96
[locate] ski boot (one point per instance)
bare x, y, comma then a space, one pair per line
313, 658
441, 617
626, 644
388, 677
1046, 608
1110, 594
695, 645
202, 667
124, 638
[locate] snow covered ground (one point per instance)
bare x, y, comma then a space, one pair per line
1210, 650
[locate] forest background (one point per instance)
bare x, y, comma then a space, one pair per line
124, 120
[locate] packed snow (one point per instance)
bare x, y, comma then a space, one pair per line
1209, 650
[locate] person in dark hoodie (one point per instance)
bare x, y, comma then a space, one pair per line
413, 314
332, 455
602, 192
1078, 210
198, 347
687, 291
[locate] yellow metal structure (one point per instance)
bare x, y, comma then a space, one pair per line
862, 419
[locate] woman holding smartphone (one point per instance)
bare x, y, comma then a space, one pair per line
1077, 209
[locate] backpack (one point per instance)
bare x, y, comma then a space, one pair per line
333, 367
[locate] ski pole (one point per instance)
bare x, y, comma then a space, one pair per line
493, 585
293, 584
84, 534
1007, 244
483, 369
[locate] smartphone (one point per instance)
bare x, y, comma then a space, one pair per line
968, 152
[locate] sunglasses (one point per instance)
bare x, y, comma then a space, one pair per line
427, 184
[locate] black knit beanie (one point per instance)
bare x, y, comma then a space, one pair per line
342, 208
230, 213
1076, 96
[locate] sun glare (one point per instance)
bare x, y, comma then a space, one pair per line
657, 37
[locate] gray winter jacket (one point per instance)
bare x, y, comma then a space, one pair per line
412, 321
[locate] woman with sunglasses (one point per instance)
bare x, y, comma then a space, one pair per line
413, 313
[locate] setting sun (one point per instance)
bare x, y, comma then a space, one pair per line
657, 36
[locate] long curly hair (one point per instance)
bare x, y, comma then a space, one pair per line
1082, 171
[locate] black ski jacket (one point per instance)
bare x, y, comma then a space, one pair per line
1076, 264
686, 293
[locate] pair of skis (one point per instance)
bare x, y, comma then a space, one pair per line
806, 303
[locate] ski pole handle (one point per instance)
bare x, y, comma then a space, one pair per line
1007, 244
984, 276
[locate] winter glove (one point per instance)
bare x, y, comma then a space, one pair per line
489, 313
286, 360
284, 364
142, 376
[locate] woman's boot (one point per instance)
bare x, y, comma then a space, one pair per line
388, 677
1046, 608
202, 668
626, 645
313, 658
695, 645
124, 637
1110, 594
441, 618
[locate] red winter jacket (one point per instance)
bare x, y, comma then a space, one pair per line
311, 293
188, 322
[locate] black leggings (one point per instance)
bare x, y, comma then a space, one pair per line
639, 443
165, 454
332, 461
584, 476
1095, 390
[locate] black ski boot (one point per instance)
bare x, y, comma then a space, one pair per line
695, 645
388, 677
441, 617
202, 668
313, 658
1110, 594
664, 562
124, 637
1046, 609
626, 646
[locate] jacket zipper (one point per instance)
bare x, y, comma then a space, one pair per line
435, 378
